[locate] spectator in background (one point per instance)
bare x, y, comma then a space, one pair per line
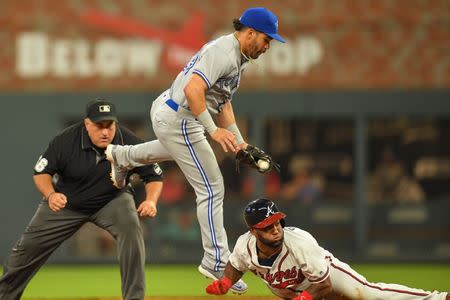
306, 186
271, 185
233, 179
181, 226
178, 220
176, 188
390, 182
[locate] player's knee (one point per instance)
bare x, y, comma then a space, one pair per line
220, 193
219, 189
214, 194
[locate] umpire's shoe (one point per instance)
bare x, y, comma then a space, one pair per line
118, 173
240, 287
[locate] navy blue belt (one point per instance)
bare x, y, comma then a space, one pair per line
172, 104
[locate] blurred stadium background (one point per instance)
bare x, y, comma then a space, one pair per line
355, 107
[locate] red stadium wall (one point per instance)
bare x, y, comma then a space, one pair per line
140, 45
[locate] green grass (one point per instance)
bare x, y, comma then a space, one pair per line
104, 281
169, 280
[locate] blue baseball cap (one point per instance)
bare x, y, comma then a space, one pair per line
262, 20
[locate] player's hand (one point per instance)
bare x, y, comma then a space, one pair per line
219, 287
226, 139
242, 146
57, 201
147, 209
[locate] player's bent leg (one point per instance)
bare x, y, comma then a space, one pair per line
119, 218
210, 215
186, 142
131, 156
210, 195
118, 173
124, 158
349, 283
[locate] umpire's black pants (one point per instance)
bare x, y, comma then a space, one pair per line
48, 229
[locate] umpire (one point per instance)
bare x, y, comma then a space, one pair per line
82, 192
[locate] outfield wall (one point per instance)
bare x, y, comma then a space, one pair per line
345, 222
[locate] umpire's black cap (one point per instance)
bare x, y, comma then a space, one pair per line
101, 110
261, 213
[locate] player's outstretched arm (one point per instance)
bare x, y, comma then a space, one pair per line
232, 273
221, 286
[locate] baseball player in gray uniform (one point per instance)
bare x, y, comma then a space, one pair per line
180, 116
294, 266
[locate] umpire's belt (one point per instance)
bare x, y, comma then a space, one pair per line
172, 104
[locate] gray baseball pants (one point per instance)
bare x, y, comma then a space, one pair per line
47, 230
182, 138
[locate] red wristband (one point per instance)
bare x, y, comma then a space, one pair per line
219, 287
304, 296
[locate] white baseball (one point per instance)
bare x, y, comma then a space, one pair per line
263, 164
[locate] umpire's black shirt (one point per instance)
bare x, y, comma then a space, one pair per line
83, 173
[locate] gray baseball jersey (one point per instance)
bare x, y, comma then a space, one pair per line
302, 262
182, 138
220, 64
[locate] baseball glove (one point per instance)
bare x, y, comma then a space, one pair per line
256, 159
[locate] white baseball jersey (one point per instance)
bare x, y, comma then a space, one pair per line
302, 262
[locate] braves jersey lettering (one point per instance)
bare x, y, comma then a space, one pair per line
283, 279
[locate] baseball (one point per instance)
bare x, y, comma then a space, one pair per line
263, 164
